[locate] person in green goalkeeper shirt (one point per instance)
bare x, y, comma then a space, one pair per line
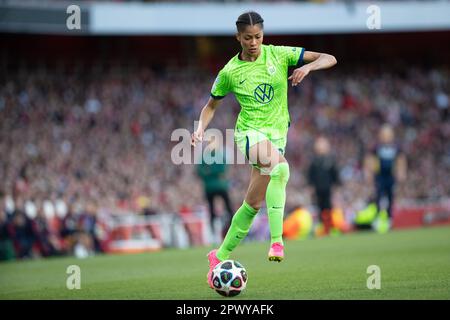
213, 172
258, 77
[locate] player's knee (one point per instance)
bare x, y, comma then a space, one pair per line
280, 172
255, 203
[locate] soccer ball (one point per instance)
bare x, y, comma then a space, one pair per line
229, 278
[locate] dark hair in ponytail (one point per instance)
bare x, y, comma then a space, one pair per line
249, 18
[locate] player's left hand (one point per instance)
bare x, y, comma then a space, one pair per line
401, 177
298, 75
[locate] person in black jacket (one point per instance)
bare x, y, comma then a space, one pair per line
6, 245
322, 176
22, 234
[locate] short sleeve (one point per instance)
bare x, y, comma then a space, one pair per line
292, 56
221, 86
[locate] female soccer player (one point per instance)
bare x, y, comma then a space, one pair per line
258, 78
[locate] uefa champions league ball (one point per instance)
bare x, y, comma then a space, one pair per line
229, 278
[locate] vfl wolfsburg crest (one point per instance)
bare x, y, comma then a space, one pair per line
271, 69
264, 93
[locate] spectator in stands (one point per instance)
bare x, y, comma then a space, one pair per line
47, 242
88, 228
6, 245
69, 230
22, 235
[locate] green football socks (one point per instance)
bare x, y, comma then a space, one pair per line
276, 199
243, 218
240, 225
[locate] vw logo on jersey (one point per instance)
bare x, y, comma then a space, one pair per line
264, 93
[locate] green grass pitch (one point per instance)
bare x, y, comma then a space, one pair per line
415, 264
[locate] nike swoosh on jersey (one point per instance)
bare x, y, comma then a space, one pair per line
241, 82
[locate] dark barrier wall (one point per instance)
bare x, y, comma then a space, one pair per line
213, 52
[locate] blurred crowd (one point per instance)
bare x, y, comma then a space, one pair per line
77, 141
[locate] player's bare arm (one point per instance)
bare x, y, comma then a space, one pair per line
401, 168
205, 118
370, 167
314, 61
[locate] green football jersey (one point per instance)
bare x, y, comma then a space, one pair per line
260, 87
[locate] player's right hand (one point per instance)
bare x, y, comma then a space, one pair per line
196, 137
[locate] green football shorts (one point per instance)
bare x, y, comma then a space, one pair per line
248, 138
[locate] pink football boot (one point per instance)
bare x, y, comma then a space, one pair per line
276, 252
213, 261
